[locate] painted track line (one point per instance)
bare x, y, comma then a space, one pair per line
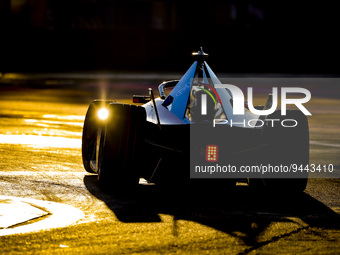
56, 215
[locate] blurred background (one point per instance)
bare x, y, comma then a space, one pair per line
149, 35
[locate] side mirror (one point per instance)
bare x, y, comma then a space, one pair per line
141, 99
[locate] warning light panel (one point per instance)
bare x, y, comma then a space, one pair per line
211, 153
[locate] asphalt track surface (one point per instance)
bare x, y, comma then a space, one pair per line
40, 159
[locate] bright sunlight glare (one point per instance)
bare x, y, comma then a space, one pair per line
103, 114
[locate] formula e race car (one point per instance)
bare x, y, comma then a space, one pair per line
193, 135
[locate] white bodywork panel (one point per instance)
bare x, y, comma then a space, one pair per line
165, 116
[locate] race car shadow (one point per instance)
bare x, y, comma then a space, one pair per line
241, 213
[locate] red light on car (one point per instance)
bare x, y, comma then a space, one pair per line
211, 154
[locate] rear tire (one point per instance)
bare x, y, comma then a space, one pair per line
90, 132
287, 145
121, 147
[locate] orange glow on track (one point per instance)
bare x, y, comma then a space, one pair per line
41, 141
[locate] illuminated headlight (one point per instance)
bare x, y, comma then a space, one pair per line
103, 114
